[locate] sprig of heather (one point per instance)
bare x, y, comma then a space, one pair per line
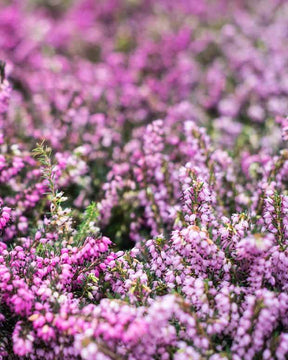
60, 218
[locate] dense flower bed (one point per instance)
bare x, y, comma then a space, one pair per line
143, 179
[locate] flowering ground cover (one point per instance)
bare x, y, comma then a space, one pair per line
143, 179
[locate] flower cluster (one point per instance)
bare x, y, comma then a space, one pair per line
143, 180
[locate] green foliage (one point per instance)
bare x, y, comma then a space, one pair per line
88, 223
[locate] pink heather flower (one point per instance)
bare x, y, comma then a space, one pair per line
22, 343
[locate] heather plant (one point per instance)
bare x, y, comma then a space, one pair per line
143, 180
